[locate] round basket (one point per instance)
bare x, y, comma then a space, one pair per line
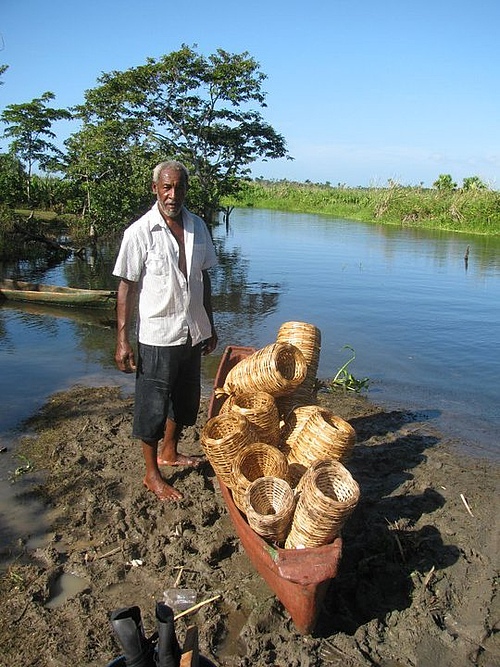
323, 436
261, 411
276, 369
307, 338
222, 437
256, 460
270, 504
328, 496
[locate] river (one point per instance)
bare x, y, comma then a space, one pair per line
423, 322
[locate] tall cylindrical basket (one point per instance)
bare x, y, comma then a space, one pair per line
307, 338
222, 438
327, 497
276, 369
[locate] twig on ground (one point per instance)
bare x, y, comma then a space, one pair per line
195, 607
466, 504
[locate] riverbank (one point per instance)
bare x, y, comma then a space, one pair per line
416, 586
471, 210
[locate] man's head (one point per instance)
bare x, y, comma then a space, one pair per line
170, 185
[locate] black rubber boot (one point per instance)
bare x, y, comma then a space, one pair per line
168, 649
127, 625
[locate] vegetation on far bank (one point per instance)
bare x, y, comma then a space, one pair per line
472, 208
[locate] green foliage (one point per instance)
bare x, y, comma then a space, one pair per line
344, 380
12, 180
444, 183
111, 175
473, 183
29, 125
184, 106
473, 210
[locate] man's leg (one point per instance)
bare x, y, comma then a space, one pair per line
168, 454
153, 479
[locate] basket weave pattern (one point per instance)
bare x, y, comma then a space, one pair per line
222, 438
256, 460
270, 504
328, 496
322, 436
307, 338
261, 411
276, 369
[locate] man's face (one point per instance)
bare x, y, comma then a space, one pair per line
170, 193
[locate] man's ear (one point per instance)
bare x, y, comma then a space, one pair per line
154, 187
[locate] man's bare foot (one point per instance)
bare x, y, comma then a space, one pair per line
162, 490
180, 460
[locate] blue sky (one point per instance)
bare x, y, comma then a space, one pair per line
363, 91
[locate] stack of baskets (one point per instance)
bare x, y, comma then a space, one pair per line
262, 459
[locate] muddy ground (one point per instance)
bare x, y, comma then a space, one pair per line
417, 581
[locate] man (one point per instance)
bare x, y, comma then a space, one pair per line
163, 265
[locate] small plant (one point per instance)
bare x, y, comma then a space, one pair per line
345, 380
22, 469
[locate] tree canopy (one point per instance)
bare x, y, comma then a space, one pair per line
199, 110
29, 125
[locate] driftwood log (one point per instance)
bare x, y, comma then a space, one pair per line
37, 237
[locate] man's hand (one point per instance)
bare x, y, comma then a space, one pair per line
210, 344
124, 357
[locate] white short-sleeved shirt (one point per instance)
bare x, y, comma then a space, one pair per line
169, 305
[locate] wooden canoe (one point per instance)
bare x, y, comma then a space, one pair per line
298, 577
17, 290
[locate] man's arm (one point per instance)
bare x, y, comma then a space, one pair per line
125, 305
211, 343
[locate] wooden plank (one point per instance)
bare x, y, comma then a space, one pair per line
190, 653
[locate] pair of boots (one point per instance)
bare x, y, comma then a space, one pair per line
140, 651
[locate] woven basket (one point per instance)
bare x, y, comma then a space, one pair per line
276, 369
328, 496
307, 338
222, 438
261, 411
270, 504
293, 424
322, 436
256, 460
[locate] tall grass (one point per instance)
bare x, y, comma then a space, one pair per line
474, 211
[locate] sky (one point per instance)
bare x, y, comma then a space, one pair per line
363, 91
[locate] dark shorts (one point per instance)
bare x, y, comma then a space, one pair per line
167, 385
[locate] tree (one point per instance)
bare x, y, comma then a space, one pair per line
29, 124
112, 172
3, 69
12, 180
199, 110
473, 183
444, 183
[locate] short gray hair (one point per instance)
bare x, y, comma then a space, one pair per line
170, 164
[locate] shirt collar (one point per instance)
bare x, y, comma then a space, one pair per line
156, 218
